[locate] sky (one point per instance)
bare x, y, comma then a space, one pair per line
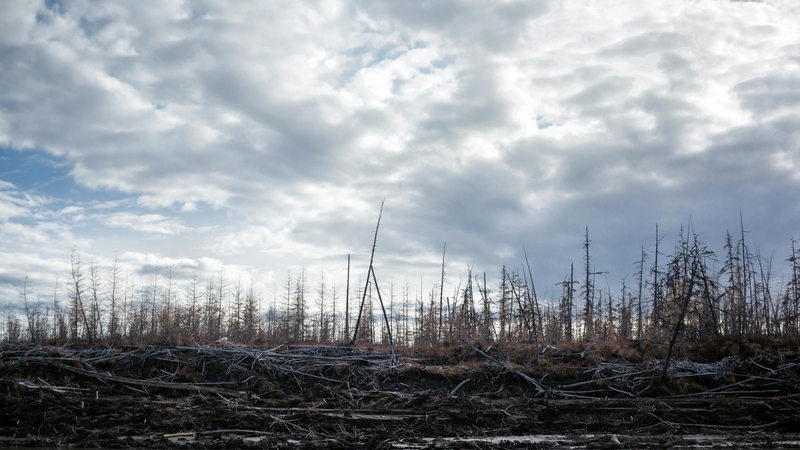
258, 139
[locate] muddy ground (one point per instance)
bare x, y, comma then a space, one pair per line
229, 396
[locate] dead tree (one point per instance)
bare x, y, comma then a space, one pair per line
371, 276
640, 275
487, 330
567, 303
656, 312
347, 300
441, 298
533, 300
791, 299
588, 292
77, 290
690, 265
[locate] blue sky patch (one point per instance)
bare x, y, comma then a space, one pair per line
39, 172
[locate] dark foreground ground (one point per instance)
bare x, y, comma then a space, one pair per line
229, 396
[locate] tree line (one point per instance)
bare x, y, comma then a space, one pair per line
676, 293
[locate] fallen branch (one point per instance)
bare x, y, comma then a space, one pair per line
525, 377
146, 383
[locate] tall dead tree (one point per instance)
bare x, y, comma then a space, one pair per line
745, 306
791, 299
24, 292
441, 297
624, 312
567, 302
487, 330
505, 305
113, 324
656, 312
516, 291
588, 292
532, 298
687, 265
347, 300
371, 276
640, 276
765, 273
77, 315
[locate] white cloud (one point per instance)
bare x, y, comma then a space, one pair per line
270, 132
12, 203
146, 223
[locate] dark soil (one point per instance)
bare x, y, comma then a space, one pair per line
227, 396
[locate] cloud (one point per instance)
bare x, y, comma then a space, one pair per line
44, 274
769, 95
12, 202
266, 135
146, 223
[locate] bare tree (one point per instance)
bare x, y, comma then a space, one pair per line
639, 293
60, 324
567, 304
194, 314
371, 278
656, 308
77, 291
168, 316
95, 319
24, 292
347, 301
791, 298
624, 311
113, 323
533, 300
323, 322
588, 292
236, 314
487, 330
686, 265
441, 295
505, 304
153, 296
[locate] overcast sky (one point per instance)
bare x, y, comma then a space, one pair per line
259, 138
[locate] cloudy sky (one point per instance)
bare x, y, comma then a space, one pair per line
258, 138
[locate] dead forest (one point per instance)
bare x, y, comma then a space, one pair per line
685, 291
701, 350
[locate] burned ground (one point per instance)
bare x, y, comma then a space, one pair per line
225, 395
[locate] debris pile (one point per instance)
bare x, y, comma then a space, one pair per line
225, 395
